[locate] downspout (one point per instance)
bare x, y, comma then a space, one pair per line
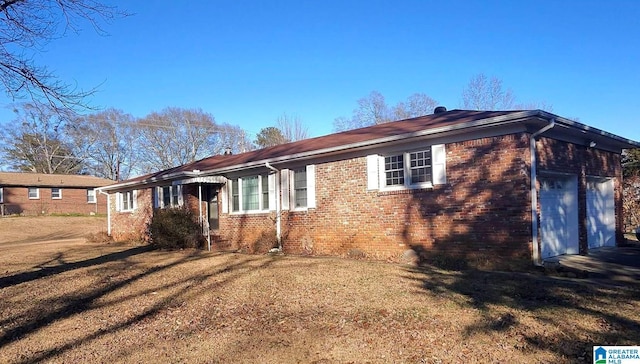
108, 211
534, 191
278, 205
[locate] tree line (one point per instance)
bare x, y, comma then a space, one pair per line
113, 144
49, 136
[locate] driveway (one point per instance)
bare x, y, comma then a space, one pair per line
619, 264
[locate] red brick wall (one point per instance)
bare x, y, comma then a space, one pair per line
554, 155
132, 226
73, 201
481, 211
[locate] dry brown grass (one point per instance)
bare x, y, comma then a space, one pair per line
27, 229
70, 302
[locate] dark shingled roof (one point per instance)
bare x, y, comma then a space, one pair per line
350, 137
445, 121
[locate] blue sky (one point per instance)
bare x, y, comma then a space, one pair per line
248, 62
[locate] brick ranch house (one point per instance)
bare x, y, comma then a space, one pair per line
497, 185
43, 194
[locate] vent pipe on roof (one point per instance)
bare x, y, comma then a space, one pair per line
439, 110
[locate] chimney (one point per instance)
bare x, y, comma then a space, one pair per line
439, 110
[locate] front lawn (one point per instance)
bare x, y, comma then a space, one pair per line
114, 303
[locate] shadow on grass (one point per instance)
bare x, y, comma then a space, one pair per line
65, 267
182, 289
504, 299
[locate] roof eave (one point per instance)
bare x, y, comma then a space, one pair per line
439, 131
619, 141
494, 121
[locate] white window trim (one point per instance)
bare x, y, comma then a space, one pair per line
120, 201
375, 168
261, 209
159, 197
37, 193
1, 195
311, 189
407, 175
95, 196
59, 190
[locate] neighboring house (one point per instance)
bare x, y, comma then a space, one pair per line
473, 184
42, 194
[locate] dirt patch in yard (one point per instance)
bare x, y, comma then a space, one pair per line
29, 229
119, 304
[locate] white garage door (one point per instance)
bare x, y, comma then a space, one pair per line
601, 214
558, 215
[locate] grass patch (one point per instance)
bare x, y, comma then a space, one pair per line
113, 303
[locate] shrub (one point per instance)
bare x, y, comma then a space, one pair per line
100, 237
175, 228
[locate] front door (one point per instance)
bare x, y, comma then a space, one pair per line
212, 207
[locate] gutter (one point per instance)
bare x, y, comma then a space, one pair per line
278, 205
534, 191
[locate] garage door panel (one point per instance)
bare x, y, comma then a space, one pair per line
600, 213
558, 215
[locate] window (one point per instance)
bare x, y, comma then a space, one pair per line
168, 196
126, 201
91, 196
1, 195
56, 193
416, 165
235, 193
34, 193
394, 170
422, 168
250, 193
265, 192
175, 196
300, 187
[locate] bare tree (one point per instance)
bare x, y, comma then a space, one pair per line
38, 142
232, 139
483, 93
416, 105
292, 128
373, 110
26, 27
108, 142
175, 136
542, 105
